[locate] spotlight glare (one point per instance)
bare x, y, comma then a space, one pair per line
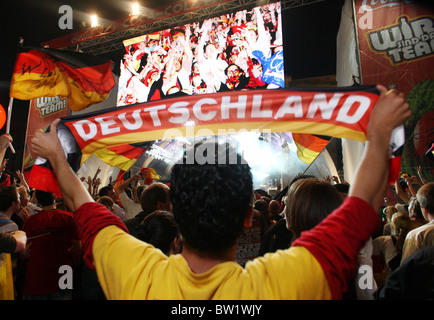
134, 8
94, 20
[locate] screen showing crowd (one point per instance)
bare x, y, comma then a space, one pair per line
235, 51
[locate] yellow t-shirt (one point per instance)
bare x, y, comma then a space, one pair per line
130, 269
6, 278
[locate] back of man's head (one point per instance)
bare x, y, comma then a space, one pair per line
274, 208
425, 196
210, 201
152, 195
44, 198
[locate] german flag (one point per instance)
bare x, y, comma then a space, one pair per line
309, 146
44, 72
123, 156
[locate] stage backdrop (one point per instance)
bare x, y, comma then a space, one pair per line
396, 46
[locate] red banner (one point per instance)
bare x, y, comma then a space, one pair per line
342, 114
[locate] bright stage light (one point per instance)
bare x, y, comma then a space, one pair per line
93, 20
134, 9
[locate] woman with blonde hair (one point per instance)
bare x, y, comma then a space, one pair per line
389, 211
390, 247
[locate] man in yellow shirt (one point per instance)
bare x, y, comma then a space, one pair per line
317, 266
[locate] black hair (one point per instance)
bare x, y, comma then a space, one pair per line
342, 187
45, 198
210, 201
159, 229
231, 65
104, 191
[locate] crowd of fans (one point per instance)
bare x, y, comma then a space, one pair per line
235, 51
45, 240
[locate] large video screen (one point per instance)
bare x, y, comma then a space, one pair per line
235, 51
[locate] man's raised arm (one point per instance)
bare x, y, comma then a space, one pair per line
371, 177
91, 217
336, 241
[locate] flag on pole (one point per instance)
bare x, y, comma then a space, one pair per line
309, 146
42, 72
123, 156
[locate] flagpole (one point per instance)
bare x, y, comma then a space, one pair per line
8, 123
11, 101
317, 156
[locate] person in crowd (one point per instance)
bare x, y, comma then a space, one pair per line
279, 236
422, 236
389, 211
249, 241
93, 183
412, 280
210, 64
12, 242
154, 197
33, 204
110, 192
308, 203
390, 247
274, 209
54, 243
272, 64
197, 82
23, 213
107, 202
5, 140
211, 204
130, 204
160, 230
300, 216
5, 179
261, 206
9, 204
402, 208
236, 79
415, 213
342, 188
